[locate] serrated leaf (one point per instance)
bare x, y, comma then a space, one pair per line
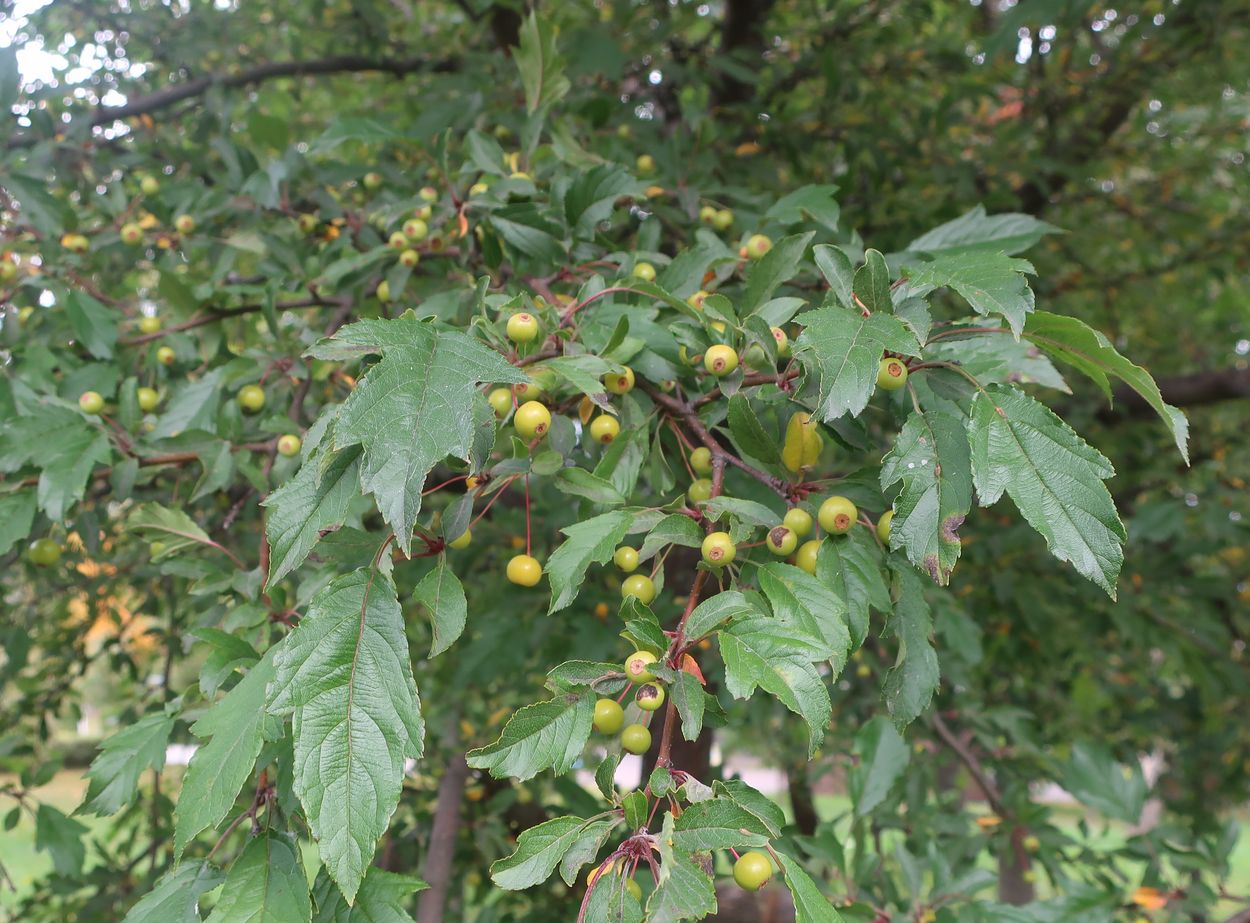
585, 373
746, 510
688, 699
538, 851
851, 568
810, 906
675, 529
1096, 780
345, 674
882, 757
546, 735
816, 202
61, 838
718, 823
776, 267
684, 891
193, 406
871, 286
592, 197
1073, 341
382, 898
660, 782
175, 898
123, 758
221, 767
610, 903
634, 805
94, 324
585, 847
749, 433
838, 271
442, 596
17, 514
1054, 477
843, 350
303, 509
911, 682
752, 800
412, 409
581, 483
930, 459
605, 776
542, 71
799, 599
764, 652
992, 283
266, 884
529, 231
591, 541
715, 610
173, 528
65, 448
975, 230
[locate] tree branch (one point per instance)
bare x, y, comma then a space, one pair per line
442, 845
966, 756
1193, 390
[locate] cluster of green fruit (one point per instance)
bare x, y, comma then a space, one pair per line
649, 696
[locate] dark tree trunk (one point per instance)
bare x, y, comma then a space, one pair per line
805, 817
442, 848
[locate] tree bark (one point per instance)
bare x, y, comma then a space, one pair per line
801, 803
741, 29
1192, 390
442, 846
1013, 862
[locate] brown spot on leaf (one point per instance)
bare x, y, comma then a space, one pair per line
950, 527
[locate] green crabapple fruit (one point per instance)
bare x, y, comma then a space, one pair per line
373, 180
522, 328
696, 300
416, 229
527, 390
619, 382
649, 696
752, 870
166, 355
636, 739
289, 445
609, 716
409, 258
720, 360
43, 552
757, 245
398, 241
640, 587
500, 400
149, 185
626, 559
131, 234
891, 374
604, 428
798, 520
307, 223
251, 398
147, 398
719, 549
701, 460
783, 342
91, 402
428, 194
184, 224
836, 515
532, 420
645, 163
524, 570
383, 291
634, 889
462, 540
638, 667
724, 219
644, 271
700, 490
781, 540
707, 214
883, 526
149, 323
807, 554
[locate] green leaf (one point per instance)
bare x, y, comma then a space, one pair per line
305, 508
223, 765
930, 459
605, 776
715, 610
777, 266
718, 823
684, 891
1095, 779
746, 510
1007, 233
882, 757
749, 433
591, 541
1054, 477
755, 802
660, 782
585, 847
765, 652
585, 373
538, 851
64, 446
541, 69
123, 758
581, 483
39, 207
838, 271
593, 195
1073, 341
412, 409
546, 735
529, 231
176, 896
688, 699
992, 283
94, 324
871, 286
17, 514
674, 529
810, 906
383, 898
61, 837
843, 350
354, 128
851, 568
345, 674
635, 807
266, 884
911, 682
799, 599
193, 406
441, 594
815, 202
174, 528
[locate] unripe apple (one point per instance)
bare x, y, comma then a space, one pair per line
166, 355
131, 234
398, 241
757, 245
8, 271
149, 185
184, 224
289, 445
416, 229
373, 180
384, 291
148, 399
428, 194
707, 214
645, 163
251, 398
307, 223
723, 220
149, 323
409, 258
91, 402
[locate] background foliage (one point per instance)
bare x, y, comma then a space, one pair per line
297, 137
